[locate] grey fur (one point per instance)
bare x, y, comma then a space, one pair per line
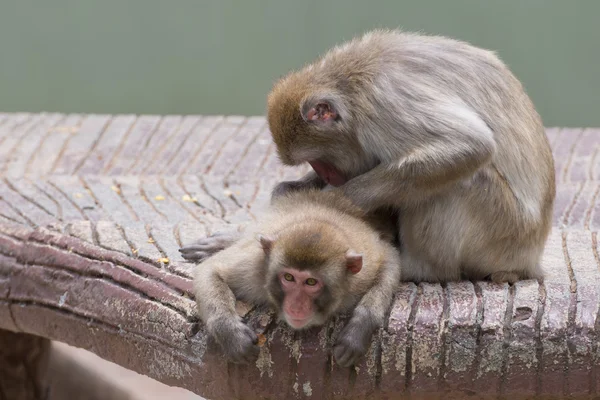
440, 130
327, 220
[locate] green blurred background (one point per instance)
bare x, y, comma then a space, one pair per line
222, 56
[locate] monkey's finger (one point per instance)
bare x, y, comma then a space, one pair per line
341, 354
195, 254
245, 355
251, 334
199, 256
238, 359
252, 354
197, 247
239, 355
347, 356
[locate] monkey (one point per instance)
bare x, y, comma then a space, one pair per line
437, 129
311, 256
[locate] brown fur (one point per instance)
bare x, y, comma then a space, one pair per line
436, 129
310, 230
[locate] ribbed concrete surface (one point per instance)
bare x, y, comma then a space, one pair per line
94, 207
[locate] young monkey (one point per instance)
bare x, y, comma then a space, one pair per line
437, 129
313, 255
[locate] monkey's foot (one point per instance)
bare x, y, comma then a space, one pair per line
505, 277
353, 343
238, 342
206, 247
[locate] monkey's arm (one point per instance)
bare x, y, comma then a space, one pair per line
455, 143
369, 315
207, 246
309, 181
217, 284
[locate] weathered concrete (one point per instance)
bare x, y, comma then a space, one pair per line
93, 210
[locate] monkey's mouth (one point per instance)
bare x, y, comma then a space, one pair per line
328, 173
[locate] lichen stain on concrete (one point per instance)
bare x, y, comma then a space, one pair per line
322, 336
459, 356
424, 356
400, 303
525, 355
307, 389
264, 363
265, 319
393, 354
295, 387
400, 364
491, 358
371, 359
287, 338
199, 345
164, 365
117, 305
295, 349
62, 299
552, 351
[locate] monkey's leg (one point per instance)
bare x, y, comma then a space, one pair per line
415, 270
508, 266
216, 306
206, 247
308, 181
504, 276
369, 315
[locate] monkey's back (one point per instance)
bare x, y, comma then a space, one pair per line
410, 72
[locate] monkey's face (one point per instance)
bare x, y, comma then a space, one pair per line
307, 273
306, 297
301, 290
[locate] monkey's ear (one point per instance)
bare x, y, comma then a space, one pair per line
266, 242
319, 110
354, 261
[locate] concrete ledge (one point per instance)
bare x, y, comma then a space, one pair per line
92, 212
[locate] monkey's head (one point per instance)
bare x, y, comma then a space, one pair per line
309, 269
311, 121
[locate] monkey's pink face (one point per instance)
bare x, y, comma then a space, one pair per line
300, 289
328, 173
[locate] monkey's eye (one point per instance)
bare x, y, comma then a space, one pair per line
311, 282
288, 277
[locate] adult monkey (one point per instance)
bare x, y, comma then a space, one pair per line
436, 128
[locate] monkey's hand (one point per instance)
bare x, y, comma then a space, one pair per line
206, 247
354, 341
282, 188
308, 181
238, 342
